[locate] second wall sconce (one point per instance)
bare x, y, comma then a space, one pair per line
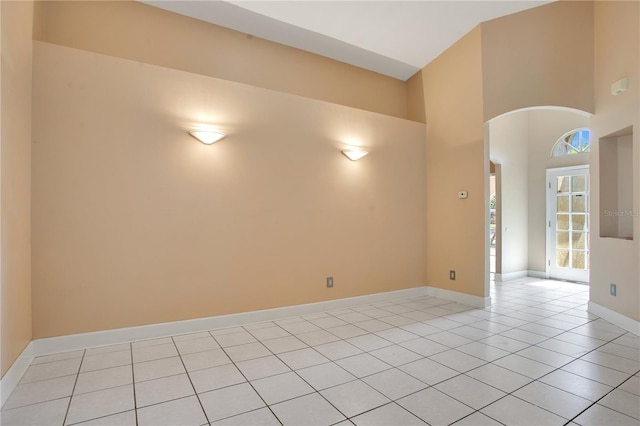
354, 154
207, 137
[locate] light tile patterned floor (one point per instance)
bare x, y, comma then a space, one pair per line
535, 357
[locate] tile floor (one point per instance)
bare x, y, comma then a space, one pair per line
535, 357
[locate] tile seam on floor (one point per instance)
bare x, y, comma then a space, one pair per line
206, 416
250, 384
101, 417
133, 378
75, 383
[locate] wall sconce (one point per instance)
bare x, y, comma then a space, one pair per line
207, 137
354, 154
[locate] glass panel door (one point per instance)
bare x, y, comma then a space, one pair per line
568, 222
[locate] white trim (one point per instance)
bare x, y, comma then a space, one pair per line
537, 274
545, 108
467, 299
13, 376
510, 276
631, 325
123, 335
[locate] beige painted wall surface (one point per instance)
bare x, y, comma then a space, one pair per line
508, 146
617, 54
625, 185
135, 222
15, 180
132, 30
415, 98
456, 161
539, 57
545, 127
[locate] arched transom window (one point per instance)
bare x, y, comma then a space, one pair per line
574, 142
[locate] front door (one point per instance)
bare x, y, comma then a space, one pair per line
568, 223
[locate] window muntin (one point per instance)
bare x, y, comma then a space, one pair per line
574, 142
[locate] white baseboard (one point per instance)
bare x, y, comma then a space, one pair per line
13, 376
123, 335
615, 318
537, 274
510, 276
467, 299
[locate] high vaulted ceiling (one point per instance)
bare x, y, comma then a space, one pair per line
395, 38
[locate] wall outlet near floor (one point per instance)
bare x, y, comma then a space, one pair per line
329, 282
452, 275
612, 289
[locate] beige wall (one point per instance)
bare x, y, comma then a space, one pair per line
15, 180
456, 161
625, 184
132, 30
617, 54
545, 127
508, 144
135, 222
415, 98
539, 57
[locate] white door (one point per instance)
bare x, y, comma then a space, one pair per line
568, 223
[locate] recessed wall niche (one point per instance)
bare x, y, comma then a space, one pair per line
616, 185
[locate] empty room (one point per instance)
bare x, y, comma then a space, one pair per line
319, 212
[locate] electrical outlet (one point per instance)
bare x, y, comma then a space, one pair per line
612, 289
329, 282
452, 275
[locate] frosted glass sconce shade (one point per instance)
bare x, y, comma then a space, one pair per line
354, 154
207, 136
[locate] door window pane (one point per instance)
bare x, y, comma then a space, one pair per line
578, 222
579, 260
579, 203
563, 184
579, 240
579, 183
563, 203
563, 222
562, 258
562, 240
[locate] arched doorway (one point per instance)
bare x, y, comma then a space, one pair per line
520, 147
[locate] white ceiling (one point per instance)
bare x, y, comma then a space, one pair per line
395, 38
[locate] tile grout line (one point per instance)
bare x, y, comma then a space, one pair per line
247, 381
604, 396
186, 372
75, 383
133, 384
